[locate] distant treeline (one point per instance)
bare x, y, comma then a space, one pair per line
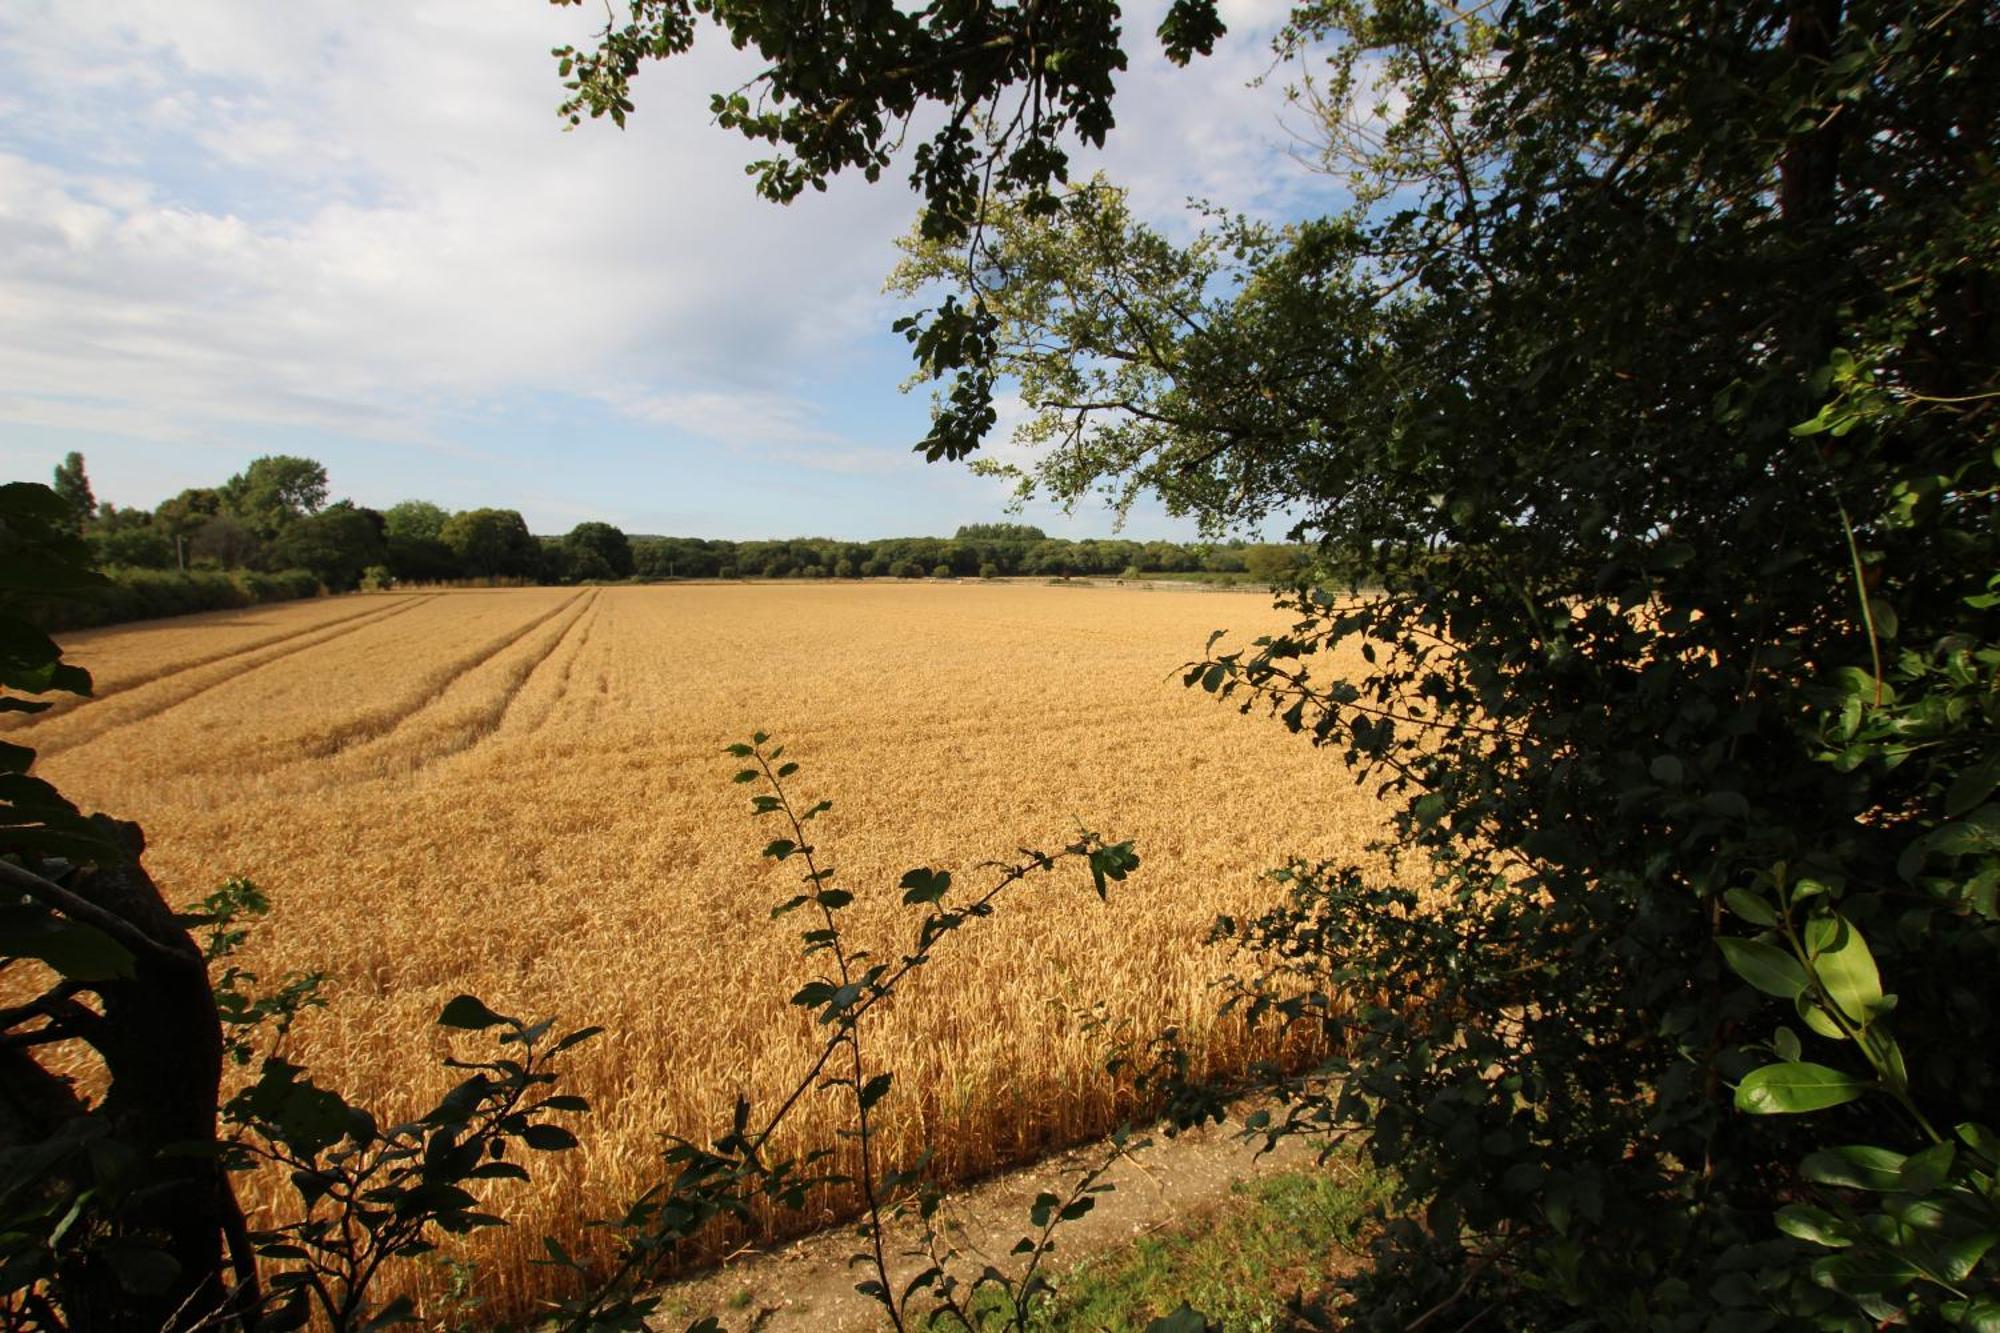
269, 532
990, 550
274, 515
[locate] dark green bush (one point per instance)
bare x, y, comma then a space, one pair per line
148, 594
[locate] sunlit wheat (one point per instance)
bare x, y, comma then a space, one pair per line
521, 794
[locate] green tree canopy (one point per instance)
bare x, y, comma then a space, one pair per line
130, 537
1001, 532
418, 520
493, 543
184, 513
336, 545
1656, 362
598, 550
275, 490
72, 487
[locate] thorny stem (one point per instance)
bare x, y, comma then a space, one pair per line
1861, 592
851, 1034
876, 991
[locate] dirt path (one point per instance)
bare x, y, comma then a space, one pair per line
809, 1284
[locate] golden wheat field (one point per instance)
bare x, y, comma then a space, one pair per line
521, 794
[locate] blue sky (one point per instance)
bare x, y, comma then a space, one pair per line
358, 232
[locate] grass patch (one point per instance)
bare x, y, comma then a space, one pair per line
1239, 1266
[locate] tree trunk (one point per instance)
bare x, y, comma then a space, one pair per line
161, 1041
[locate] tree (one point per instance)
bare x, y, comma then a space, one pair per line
1001, 532
600, 548
179, 517
72, 486
225, 541
336, 545
129, 537
421, 560
415, 520
1655, 367
275, 490
1276, 565
493, 543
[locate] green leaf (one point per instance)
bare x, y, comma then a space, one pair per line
1972, 786
1860, 1167
576, 1038
401, 1310
1981, 1140
1795, 1087
1962, 1254
295, 1111
1924, 1171
813, 994
1884, 616
1862, 1272
875, 1089
548, 1138
1847, 970
1817, 1018
140, 1268
1728, 804
924, 885
466, 1011
1765, 966
1752, 907
1113, 862
1816, 1225
1666, 770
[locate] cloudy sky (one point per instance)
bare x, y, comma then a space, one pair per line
356, 230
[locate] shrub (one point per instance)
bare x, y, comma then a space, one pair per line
147, 594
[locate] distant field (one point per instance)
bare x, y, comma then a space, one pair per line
521, 793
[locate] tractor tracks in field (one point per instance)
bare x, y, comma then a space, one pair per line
487, 720
379, 723
536, 716
243, 661
61, 707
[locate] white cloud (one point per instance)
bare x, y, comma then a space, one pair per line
364, 220
351, 214
1213, 131
729, 416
